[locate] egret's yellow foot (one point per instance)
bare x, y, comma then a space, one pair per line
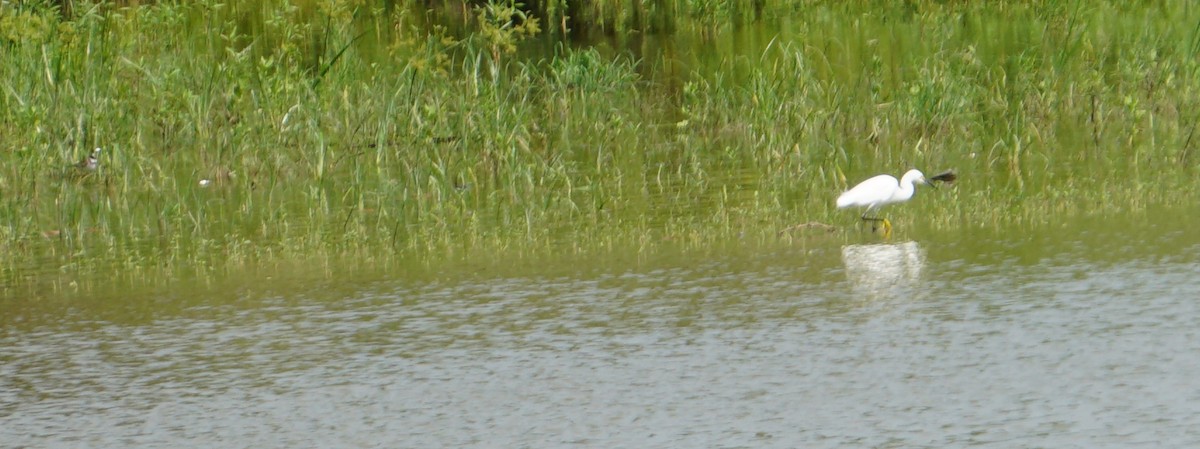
887, 229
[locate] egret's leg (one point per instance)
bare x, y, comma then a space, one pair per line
874, 220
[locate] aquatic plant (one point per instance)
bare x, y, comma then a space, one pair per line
237, 135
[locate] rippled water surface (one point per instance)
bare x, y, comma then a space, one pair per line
1072, 337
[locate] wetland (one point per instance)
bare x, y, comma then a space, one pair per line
424, 224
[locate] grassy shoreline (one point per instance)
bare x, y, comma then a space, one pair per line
360, 135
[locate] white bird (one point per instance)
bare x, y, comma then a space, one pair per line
879, 191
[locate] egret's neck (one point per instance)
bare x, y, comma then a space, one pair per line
908, 186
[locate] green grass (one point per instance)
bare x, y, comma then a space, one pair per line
352, 134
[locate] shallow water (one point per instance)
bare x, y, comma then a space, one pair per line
1085, 335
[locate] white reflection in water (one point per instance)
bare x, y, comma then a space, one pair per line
883, 270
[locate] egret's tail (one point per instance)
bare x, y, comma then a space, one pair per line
844, 201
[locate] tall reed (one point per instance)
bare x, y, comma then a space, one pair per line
238, 134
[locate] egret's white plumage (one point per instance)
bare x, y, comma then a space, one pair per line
880, 191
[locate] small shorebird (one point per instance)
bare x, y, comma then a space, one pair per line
90, 163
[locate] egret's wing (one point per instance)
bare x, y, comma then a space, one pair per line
872, 191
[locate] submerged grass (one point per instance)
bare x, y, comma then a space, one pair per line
235, 136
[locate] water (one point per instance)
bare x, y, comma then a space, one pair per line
1084, 335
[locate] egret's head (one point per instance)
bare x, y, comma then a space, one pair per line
915, 177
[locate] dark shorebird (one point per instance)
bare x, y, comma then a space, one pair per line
90, 163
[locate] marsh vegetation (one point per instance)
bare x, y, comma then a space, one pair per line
242, 134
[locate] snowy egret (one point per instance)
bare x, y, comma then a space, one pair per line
880, 191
